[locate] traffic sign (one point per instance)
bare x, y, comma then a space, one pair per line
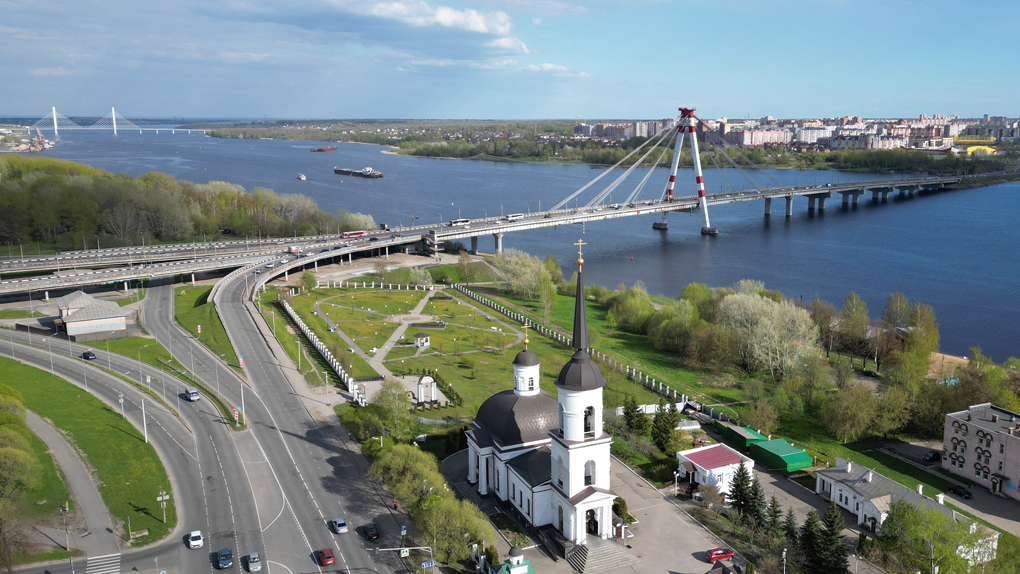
428, 564
235, 413
403, 530
240, 359
403, 552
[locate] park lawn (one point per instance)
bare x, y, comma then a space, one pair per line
51, 487
460, 313
192, 309
456, 339
128, 471
402, 352
450, 273
19, 314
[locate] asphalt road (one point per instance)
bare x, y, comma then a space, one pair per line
302, 474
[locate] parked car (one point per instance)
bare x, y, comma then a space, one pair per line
872, 374
326, 557
195, 539
961, 491
718, 554
371, 532
225, 559
254, 562
931, 456
339, 525
88, 355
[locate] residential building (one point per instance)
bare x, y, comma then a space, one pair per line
982, 444
757, 137
714, 465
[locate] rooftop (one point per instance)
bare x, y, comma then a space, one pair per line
883, 491
715, 456
989, 417
781, 448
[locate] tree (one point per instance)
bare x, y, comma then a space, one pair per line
308, 281
774, 517
394, 409
772, 335
832, 552
758, 511
464, 262
853, 324
637, 421
710, 496
547, 297
418, 276
553, 267
740, 494
790, 530
762, 416
851, 412
893, 410
927, 539
823, 315
664, 432
897, 311
811, 541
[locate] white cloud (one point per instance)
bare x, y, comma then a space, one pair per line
555, 69
420, 13
508, 44
536, 21
244, 57
61, 71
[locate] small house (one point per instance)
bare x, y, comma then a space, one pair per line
87, 319
714, 465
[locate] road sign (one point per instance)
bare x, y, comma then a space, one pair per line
403, 530
403, 552
428, 564
235, 413
240, 359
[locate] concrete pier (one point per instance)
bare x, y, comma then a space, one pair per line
474, 244
768, 206
498, 237
789, 206
811, 203
663, 222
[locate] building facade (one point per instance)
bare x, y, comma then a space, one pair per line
982, 444
714, 465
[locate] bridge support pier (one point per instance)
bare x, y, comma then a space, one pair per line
387, 252
192, 279
768, 206
821, 202
125, 286
856, 195
789, 206
286, 275
499, 242
663, 222
316, 265
810, 203
474, 244
46, 295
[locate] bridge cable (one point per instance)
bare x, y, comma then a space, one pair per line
592, 182
721, 173
644, 180
754, 183
750, 163
612, 187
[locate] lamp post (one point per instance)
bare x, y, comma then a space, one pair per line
140, 363
50, 352
218, 381
784, 560
676, 481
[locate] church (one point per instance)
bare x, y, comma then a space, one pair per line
548, 456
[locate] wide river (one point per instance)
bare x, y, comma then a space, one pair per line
957, 251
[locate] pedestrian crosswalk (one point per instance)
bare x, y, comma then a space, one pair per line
109, 564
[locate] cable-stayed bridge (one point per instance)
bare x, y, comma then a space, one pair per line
57, 122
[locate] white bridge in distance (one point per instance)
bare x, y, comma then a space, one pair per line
112, 121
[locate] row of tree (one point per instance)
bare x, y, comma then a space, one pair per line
18, 473
70, 205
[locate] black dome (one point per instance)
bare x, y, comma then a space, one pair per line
516, 551
526, 358
515, 419
580, 374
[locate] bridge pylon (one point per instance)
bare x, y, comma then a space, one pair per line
687, 125
663, 222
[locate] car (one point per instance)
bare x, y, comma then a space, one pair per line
371, 532
326, 557
718, 554
871, 374
931, 456
192, 394
339, 525
225, 559
88, 355
254, 562
374, 239
195, 539
961, 491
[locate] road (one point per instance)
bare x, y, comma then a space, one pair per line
315, 476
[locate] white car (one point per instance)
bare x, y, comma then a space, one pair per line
195, 539
339, 525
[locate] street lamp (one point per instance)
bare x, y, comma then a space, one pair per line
676, 481
218, 381
140, 363
784, 560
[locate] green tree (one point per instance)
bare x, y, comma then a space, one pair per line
758, 511
553, 266
927, 539
850, 412
308, 281
790, 530
774, 517
823, 314
464, 262
636, 420
853, 324
832, 551
762, 416
664, 431
395, 409
897, 311
740, 493
811, 541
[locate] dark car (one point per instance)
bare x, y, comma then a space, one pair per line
225, 559
961, 491
371, 532
326, 557
88, 355
931, 456
373, 239
871, 374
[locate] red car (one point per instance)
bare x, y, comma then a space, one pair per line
326, 556
718, 554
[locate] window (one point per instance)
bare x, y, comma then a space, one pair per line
531, 383
988, 441
977, 472
589, 422
528, 506
986, 459
561, 420
954, 447
1000, 466
857, 507
985, 475
1001, 448
956, 430
589, 472
513, 490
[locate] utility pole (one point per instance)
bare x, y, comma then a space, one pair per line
161, 499
144, 426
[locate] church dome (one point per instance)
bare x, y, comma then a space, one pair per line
526, 358
516, 419
580, 374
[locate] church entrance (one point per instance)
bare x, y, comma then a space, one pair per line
592, 522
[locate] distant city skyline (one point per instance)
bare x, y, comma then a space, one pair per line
509, 59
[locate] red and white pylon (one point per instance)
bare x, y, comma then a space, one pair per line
687, 125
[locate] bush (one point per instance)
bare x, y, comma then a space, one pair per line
620, 509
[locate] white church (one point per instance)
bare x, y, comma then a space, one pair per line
548, 456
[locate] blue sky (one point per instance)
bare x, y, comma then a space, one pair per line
509, 58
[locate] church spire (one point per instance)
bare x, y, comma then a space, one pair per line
580, 316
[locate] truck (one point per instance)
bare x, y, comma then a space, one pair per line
294, 249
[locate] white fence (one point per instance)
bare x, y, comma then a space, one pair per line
319, 345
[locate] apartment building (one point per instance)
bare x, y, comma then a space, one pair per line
982, 443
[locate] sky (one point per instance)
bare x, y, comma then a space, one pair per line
509, 59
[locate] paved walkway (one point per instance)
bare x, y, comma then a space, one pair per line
96, 537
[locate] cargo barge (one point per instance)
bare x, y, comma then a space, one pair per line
367, 172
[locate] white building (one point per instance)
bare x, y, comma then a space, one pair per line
548, 457
714, 465
88, 319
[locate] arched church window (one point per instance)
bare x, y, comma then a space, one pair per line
531, 383
589, 472
589, 422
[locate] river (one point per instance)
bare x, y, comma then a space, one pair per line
957, 251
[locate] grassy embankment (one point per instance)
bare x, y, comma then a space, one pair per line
193, 309
129, 473
19, 314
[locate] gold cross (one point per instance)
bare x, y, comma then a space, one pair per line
525, 336
580, 259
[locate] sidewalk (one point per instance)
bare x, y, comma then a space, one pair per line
96, 537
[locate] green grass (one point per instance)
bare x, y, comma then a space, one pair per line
54, 554
51, 487
19, 314
451, 273
128, 471
397, 353
193, 309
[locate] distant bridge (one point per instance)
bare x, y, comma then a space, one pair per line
111, 122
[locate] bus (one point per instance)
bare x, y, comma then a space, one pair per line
514, 217
459, 222
349, 234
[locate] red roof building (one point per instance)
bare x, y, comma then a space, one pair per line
714, 465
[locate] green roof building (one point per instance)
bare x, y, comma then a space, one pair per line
780, 456
741, 437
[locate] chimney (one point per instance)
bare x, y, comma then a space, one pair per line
849, 466
968, 416
870, 475
920, 488
995, 418
940, 498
